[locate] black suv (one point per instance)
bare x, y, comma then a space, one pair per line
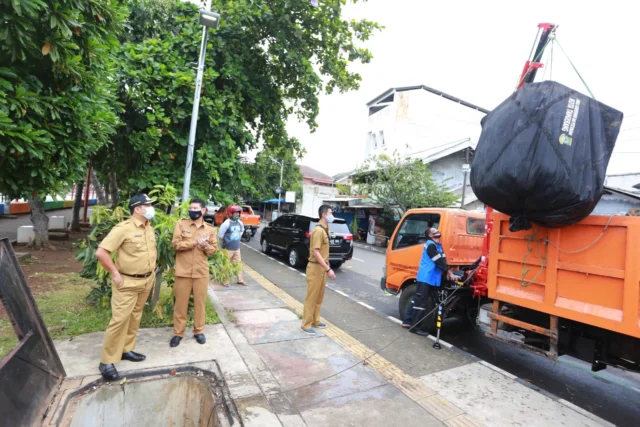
290, 234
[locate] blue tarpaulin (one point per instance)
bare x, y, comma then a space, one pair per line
274, 201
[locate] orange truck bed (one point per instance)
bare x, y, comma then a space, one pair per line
588, 272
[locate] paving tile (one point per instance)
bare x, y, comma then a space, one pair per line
383, 406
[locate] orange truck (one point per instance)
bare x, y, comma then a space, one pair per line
572, 290
250, 220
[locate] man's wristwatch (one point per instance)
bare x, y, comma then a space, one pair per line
328, 270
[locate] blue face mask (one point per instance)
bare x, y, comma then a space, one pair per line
329, 218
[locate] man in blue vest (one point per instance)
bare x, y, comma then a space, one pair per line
432, 265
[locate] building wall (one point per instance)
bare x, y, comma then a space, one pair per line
623, 182
418, 120
312, 197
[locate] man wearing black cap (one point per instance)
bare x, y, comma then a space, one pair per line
432, 265
132, 277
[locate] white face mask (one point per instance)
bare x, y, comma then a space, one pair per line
149, 213
329, 218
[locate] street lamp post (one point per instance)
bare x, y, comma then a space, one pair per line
281, 162
208, 20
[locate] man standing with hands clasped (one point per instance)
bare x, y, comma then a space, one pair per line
133, 277
317, 271
194, 241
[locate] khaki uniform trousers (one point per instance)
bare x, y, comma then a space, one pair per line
234, 256
182, 289
316, 282
127, 302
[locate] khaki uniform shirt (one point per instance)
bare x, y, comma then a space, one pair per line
319, 240
191, 259
134, 243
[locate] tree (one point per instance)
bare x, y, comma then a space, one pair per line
400, 182
265, 62
56, 95
264, 174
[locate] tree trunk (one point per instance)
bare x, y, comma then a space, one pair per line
102, 198
107, 192
40, 222
77, 204
113, 188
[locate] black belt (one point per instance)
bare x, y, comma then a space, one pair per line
138, 276
316, 262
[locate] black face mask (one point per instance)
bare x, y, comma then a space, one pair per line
195, 214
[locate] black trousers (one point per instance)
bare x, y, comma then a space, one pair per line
418, 307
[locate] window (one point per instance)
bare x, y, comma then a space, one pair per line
475, 226
339, 227
413, 228
380, 139
279, 222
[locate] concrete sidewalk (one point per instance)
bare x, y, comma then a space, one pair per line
335, 379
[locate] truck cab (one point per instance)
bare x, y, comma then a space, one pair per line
462, 238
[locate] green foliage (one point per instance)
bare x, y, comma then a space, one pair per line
57, 90
354, 227
344, 189
401, 182
266, 61
264, 174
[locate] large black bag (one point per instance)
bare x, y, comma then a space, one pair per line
543, 155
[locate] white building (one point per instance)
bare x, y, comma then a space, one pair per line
316, 187
424, 123
623, 181
417, 118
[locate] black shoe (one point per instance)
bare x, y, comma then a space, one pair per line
132, 356
200, 338
175, 341
109, 372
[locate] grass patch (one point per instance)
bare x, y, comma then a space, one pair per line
33, 260
67, 314
8, 338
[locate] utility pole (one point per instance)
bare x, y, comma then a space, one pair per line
465, 168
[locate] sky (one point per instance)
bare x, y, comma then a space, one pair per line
475, 50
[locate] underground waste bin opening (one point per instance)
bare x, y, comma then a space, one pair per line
182, 399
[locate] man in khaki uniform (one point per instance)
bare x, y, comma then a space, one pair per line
194, 240
134, 244
317, 271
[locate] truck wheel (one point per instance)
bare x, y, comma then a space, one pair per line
405, 298
294, 258
429, 322
266, 248
335, 264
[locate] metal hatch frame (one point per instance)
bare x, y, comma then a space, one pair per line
32, 372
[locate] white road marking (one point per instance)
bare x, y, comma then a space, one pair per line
303, 274
341, 293
366, 305
292, 269
357, 259
393, 319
